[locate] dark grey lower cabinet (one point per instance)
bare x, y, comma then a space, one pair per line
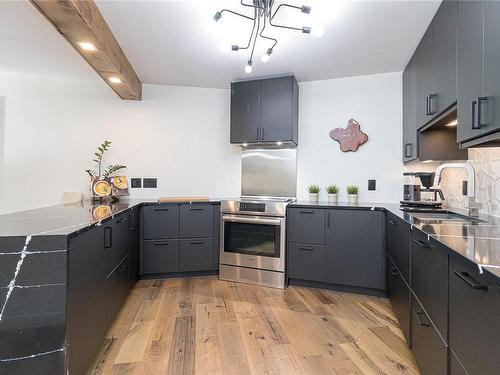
306, 262
160, 256
354, 248
429, 278
196, 255
399, 293
474, 318
398, 239
427, 346
455, 367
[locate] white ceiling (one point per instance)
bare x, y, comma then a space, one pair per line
177, 42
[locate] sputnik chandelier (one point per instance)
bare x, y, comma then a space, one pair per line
264, 12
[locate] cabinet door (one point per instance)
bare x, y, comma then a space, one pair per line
429, 350
474, 318
354, 248
470, 66
160, 256
424, 79
444, 65
161, 221
455, 366
306, 225
490, 108
306, 262
276, 111
245, 112
398, 237
399, 294
410, 147
134, 244
196, 220
429, 279
196, 255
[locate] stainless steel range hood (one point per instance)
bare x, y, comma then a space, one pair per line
269, 173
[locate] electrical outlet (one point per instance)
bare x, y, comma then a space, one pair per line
372, 184
149, 183
135, 183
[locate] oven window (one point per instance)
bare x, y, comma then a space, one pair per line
253, 239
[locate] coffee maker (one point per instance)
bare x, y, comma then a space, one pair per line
421, 195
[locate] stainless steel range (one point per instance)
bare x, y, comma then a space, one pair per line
252, 246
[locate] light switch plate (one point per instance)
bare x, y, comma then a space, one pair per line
136, 183
372, 185
149, 183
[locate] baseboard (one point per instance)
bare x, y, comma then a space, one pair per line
338, 288
172, 275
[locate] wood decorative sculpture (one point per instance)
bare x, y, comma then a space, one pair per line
349, 138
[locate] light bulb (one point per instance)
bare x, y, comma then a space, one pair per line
317, 31
115, 80
248, 68
86, 46
265, 58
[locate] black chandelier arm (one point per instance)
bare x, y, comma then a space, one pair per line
284, 5
286, 27
252, 6
237, 14
267, 37
256, 34
253, 30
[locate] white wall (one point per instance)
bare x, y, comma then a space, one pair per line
375, 101
50, 128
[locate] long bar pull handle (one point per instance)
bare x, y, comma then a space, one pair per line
108, 237
480, 101
306, 248
422, 319
422, 243
474, 123
466, 278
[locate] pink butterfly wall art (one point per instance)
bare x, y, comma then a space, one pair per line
349, 138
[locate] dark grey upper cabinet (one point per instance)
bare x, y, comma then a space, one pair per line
410, 111
478, 70
278, 109
264, 111
354, 248
425, 90
245, 112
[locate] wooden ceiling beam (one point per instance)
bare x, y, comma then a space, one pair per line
80, 21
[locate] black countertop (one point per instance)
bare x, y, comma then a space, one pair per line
478, 241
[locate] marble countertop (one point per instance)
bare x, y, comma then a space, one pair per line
478, 241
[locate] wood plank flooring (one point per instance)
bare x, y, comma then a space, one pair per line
205, 326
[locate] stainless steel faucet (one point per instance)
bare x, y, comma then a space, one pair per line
473, 207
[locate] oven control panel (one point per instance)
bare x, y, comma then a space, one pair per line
252, 207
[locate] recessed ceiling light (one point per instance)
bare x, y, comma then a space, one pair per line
86, 46
428, 161
115, 80
245, 144
452, 124
279, 143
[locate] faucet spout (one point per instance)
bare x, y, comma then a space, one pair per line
470, 176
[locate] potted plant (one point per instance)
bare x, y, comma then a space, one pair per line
313, 193
333, 193
352, 194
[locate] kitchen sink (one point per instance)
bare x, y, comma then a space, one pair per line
433, 216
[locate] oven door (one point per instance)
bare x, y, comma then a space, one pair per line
253, 241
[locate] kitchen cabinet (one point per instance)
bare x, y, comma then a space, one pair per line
399, 293
424, 59
429, 279
190, 241
478, 73
455, 366
161, 221
306, 225
306, 262
354, 248
398, 239
474, 317
427, 346
134, 243
245, 111
264, 111
410, 95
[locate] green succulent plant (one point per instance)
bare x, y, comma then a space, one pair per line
332, 189
313, 189
352, 189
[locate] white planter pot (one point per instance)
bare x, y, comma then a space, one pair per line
352, 198
313, 197
333, 198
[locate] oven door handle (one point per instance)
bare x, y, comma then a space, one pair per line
251, 220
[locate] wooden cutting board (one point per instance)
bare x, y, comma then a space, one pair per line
182, 199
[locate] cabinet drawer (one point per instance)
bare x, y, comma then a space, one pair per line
474, 318
196, 255
306, 225
429, 278
196, 220
161, 221
427, 346
306, 262
160, 256
399, 294
398, 244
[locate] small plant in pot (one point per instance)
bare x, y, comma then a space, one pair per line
352, 194
313, 193
333, 193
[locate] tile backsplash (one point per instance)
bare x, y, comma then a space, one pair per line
486, 163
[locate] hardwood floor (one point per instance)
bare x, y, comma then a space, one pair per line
205, 326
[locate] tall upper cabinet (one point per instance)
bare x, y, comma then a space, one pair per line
429, 80
265, 111
478, 41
